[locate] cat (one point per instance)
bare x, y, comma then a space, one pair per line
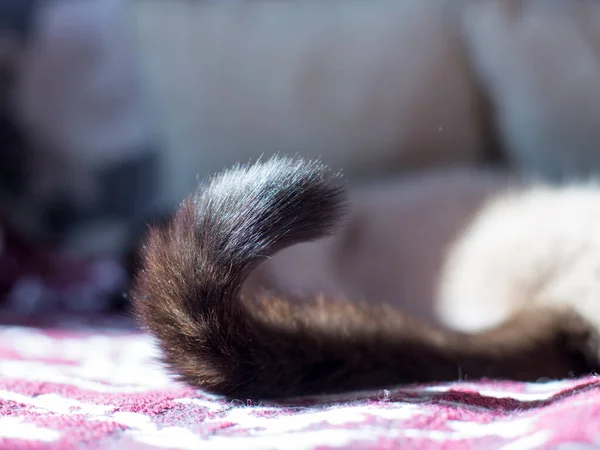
269, 346
392, 242
536, 245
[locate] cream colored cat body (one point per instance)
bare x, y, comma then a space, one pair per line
534, 246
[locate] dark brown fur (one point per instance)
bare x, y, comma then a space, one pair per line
187, 295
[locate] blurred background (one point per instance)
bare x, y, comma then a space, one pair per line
112, 110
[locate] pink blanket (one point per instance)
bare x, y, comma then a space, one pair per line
99, 385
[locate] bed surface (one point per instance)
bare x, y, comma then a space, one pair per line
99, 384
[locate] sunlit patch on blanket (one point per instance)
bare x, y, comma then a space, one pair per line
102, 385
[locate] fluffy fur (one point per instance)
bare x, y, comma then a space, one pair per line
188, 296
391, 245
526, 248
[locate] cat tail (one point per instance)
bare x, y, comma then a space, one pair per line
188, 296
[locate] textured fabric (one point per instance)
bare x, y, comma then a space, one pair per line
99, 384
